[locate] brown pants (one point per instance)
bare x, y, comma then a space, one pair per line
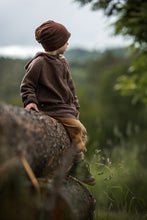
77, 133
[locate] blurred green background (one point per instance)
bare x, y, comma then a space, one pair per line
112, 90
116, 125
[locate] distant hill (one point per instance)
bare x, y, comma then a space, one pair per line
81, 56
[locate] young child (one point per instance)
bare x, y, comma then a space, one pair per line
47, 86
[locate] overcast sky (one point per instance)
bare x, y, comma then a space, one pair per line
89, 29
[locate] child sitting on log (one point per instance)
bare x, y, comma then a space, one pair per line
48, 86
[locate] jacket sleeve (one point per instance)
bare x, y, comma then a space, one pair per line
29, 83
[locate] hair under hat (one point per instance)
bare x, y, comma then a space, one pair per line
52, 35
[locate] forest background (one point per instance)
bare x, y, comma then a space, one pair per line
112, 90
117, 126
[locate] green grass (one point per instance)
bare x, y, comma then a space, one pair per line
103, 215
121, 186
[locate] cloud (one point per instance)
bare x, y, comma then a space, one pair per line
19, 51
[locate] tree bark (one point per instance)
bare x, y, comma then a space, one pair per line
34, 135
45, 146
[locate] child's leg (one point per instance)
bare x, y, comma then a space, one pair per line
78, 136
76, 131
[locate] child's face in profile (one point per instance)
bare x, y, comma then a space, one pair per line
62, 49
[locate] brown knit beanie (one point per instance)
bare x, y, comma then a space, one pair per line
52, 35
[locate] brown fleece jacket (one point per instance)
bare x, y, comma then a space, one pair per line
48, 83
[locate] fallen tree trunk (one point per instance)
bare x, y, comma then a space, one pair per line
34, 135
30, 140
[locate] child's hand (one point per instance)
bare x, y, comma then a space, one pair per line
32, 106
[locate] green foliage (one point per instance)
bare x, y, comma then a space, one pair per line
131, 20
118, 128
116, 125
12, 71
134, 81
120, 183
113, 117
